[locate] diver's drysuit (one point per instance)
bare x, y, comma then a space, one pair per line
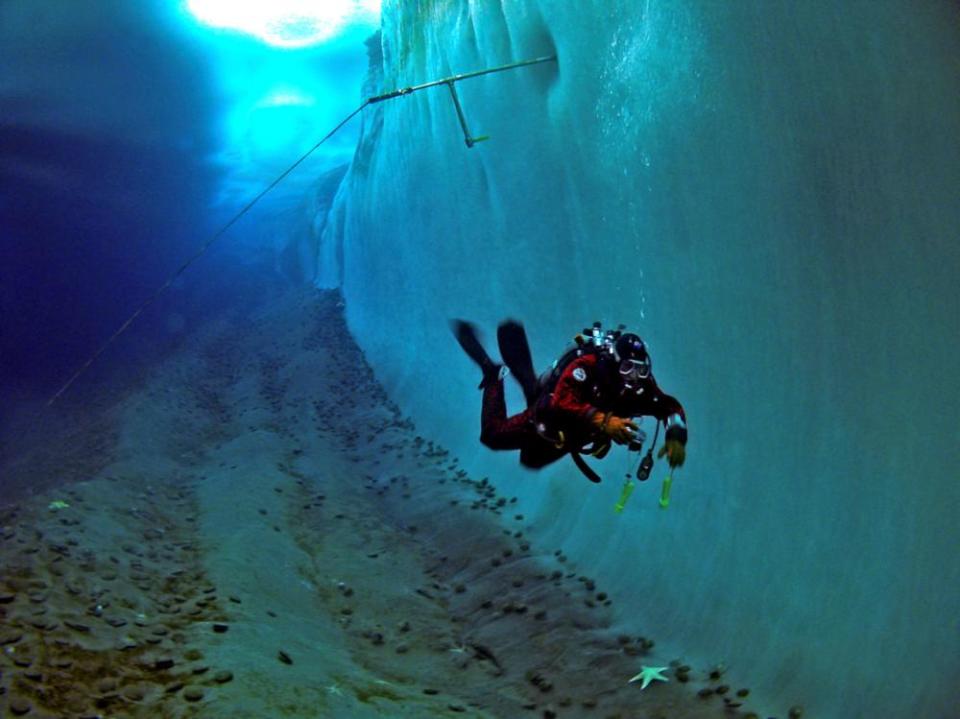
559, 421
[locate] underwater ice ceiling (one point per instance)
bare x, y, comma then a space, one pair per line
286, 23
128, 129
285, 72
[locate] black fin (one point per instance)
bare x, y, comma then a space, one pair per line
466, 334
515, 351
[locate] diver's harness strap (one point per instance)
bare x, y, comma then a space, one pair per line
585, 468
597, 448
600, 448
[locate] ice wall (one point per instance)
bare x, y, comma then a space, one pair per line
767, 191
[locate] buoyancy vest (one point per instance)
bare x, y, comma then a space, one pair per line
544, 418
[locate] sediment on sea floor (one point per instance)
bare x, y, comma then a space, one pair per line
274, 535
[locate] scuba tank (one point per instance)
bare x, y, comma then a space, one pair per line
643, 474
643, 470
665, 491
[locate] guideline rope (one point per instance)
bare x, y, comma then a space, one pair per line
219, 233
196, 255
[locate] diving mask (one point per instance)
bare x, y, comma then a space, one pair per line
634, 370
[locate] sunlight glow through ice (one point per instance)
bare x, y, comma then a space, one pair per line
285, 23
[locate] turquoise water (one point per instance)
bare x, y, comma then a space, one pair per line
766, 191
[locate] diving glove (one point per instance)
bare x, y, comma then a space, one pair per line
675, 451
601, 448
619, 429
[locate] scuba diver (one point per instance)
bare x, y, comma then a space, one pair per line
581, 405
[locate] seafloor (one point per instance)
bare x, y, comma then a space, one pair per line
269, 537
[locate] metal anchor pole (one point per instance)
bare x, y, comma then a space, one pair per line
449, 82
471, 141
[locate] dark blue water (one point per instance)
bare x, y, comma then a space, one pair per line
97, 207
128, 135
